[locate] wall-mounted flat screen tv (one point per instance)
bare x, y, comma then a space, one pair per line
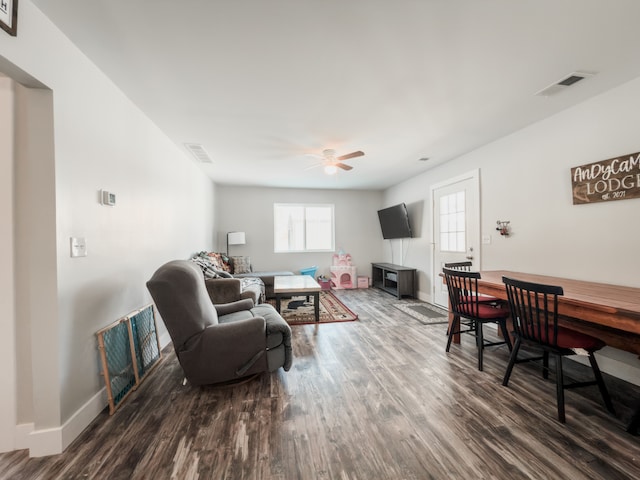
394, 222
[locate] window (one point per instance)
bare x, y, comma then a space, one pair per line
303, 228
452, 223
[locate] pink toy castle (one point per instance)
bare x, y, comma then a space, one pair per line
343, 274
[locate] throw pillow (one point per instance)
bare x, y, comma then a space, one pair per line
227, 263
241, 264
220, 260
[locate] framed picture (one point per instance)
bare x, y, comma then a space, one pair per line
9, 16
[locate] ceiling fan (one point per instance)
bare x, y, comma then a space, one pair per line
331, 163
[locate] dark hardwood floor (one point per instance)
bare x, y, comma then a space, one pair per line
374, 399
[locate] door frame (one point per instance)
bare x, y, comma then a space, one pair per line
474, 177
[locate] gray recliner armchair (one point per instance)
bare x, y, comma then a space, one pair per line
217, 343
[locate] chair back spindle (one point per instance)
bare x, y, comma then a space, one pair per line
463, 291
534, 310
464, 266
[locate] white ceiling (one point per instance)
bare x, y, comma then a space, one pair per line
261, 83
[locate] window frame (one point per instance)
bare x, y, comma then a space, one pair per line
457, 216
305, 206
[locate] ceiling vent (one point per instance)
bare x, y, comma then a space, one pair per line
563, 84
199, 153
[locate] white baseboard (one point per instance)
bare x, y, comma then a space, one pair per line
53, 441
21, 435
45, 442
83, 417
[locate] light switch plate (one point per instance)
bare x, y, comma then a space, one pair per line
486, 239
78, 246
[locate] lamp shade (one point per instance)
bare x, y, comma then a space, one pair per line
236, 238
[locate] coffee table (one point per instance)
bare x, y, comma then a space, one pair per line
287, 286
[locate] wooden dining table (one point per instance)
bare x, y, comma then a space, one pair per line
609, 312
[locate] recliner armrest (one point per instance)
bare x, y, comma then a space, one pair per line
249, 330
232, 307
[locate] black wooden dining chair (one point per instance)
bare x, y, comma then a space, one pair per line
466, 267
534, 313
470, 313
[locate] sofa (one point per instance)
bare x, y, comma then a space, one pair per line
216, 265
217, 343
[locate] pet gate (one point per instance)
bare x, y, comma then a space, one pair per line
129, 349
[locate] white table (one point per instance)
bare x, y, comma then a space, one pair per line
287, 286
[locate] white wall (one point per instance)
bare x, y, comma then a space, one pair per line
250, 209
77, 136
525, 178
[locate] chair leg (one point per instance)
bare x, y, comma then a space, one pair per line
480, 343
545, 364
512, 362
453, 329
560, 388
601, 385
632, 428
505, 334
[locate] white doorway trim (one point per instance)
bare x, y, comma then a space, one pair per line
8, 409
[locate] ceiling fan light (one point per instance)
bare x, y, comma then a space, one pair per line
330, 169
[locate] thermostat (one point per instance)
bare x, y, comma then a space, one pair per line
108, 198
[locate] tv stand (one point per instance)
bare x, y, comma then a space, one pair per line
394, 279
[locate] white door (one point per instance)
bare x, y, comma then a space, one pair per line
456, 227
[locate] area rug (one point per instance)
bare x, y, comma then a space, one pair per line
297, 311
425, 313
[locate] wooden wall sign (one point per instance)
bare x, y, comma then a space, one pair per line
9, 16
613, 179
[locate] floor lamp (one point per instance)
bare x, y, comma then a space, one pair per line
235, 238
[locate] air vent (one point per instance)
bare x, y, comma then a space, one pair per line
570, 80
563, 84
199, 153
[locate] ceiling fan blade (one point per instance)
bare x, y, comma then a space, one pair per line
344, 166
314, 166
350, 155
